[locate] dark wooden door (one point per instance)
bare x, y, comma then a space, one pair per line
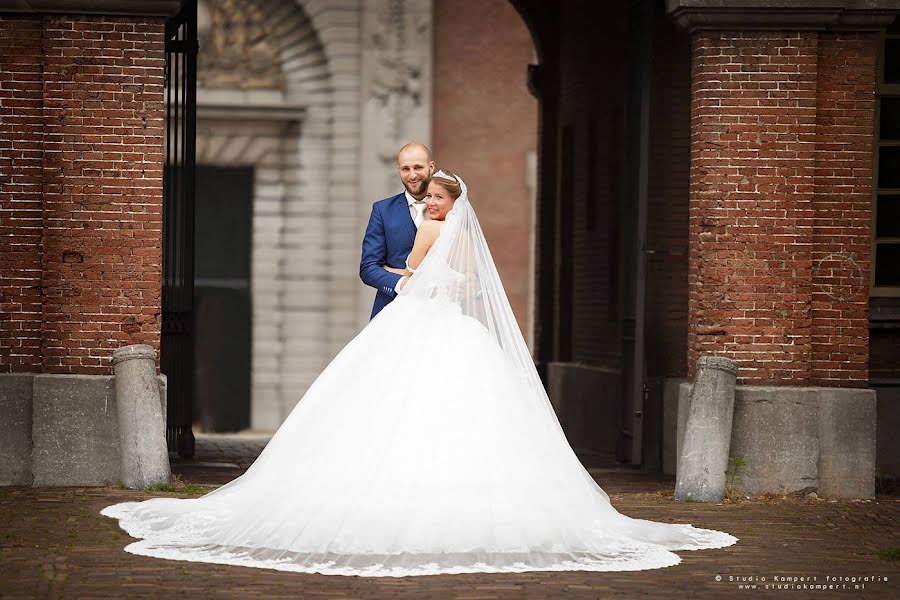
222, 311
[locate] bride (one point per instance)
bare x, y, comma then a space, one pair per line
428, 445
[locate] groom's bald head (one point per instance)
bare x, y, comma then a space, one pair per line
415, 166
414, 148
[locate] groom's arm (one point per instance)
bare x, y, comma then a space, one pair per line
374, 256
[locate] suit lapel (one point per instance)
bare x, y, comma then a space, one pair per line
401, 210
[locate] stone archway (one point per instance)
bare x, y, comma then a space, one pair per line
313, 128
267, 100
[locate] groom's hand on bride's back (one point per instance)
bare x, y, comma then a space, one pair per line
402, 272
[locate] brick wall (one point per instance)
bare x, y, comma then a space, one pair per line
99, 116
485, 125
772, 161
845, 116
21, 162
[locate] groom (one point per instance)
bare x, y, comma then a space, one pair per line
392, 225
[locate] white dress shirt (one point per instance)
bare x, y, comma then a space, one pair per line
412, 215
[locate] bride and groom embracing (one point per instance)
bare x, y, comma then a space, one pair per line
428, 445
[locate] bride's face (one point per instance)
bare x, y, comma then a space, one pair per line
438, 201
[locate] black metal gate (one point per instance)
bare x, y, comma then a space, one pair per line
177, 347
634, 219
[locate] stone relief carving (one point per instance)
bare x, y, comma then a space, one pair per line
396, 85
237, 48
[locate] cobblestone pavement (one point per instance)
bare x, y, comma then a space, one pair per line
219, 458
54, 544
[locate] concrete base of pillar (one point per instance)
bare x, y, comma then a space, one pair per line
795, 439
75, 434
15, 428
60, 430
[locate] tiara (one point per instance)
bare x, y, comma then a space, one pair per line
439, 173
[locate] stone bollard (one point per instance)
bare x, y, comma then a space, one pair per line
142, 425
704, 453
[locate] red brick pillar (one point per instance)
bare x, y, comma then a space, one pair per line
21, 183
751, 192
780, 203
81, 134
842, 237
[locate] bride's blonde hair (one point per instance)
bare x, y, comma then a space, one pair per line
449, 181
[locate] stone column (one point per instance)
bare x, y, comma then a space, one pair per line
142, 425
395, 81
707, 439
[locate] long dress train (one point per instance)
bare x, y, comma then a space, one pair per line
426, 446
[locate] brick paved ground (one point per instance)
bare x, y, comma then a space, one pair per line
54, 544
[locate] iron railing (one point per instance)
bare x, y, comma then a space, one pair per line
177, 345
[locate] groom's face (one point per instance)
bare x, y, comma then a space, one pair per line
415, 171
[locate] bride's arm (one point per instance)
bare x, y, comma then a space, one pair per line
425, 237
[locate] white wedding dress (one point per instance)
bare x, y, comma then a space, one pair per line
427, 446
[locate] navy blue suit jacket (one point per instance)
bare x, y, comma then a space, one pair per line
388, 241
